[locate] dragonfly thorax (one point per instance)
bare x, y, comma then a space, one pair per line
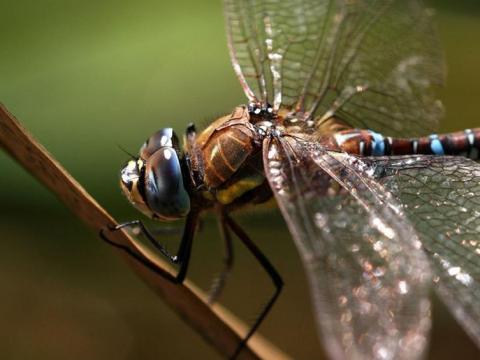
228, 152
223, 164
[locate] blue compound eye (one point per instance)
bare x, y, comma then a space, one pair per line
162, 138
164, 188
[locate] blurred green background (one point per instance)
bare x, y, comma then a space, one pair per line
84, 76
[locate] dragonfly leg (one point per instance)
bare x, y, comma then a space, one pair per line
219, 282
267, 266
138, 257
182, 258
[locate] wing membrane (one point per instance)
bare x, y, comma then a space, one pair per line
441, 196
370, 63
369, 277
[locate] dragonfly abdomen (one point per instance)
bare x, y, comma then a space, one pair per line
369, 143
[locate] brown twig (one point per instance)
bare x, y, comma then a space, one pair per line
218, 327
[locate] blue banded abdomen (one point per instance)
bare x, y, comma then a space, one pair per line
369, 143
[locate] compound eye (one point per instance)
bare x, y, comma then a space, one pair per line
162, 138
164, 188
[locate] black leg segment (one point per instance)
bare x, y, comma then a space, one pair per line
182, 258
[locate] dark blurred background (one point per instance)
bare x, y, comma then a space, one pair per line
84, 76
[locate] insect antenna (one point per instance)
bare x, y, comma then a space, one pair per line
125, 151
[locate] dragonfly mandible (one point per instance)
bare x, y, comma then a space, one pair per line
341, 97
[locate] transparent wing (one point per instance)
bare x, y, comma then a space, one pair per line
368, 275
370, 63
441, 196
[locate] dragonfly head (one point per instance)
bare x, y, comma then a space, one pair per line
154, 182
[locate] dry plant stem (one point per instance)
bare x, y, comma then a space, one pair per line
215, 324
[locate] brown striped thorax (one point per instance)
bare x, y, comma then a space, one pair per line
222, 164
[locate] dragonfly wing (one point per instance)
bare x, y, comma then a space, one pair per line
370, 63
368, 274
441, 196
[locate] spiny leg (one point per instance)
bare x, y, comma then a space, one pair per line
182, 258
219, 282
267, 266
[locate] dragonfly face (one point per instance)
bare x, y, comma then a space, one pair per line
373, 216
153, 183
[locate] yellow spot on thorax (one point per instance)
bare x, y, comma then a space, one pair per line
238, 188
214, 152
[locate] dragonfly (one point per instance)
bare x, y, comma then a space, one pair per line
340, 104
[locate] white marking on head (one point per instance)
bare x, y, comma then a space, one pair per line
131, 165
